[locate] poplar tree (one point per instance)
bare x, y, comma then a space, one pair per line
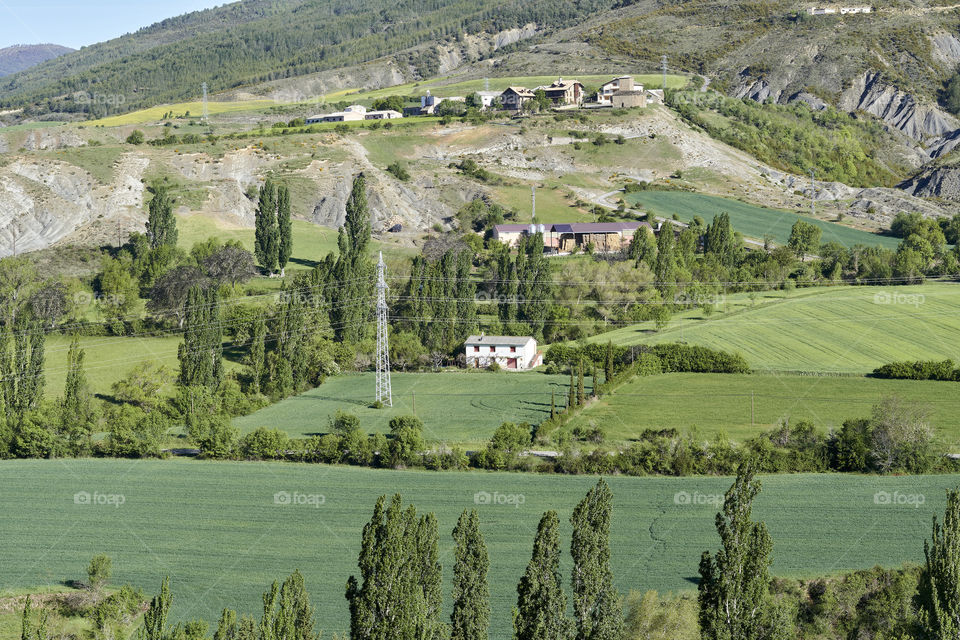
397, 593
351, 284
608, 367
227, 626
553, 404
734, 583
541, 603
266, 233
939, 587
470, 619
22, 350
581, 394
572, 396
596, 603
26, 620
161, 222
155, 618
201, 352
665, 265
287, 613
77, 413
257, 357
284, 229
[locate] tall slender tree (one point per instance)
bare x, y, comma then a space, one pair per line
470, 619
257, 356
581, 392
939, 587
155, 618
161, 222
284, 229
351, 284
734, 583
201, 353
596, 603
541, 603
266, 234
77, 413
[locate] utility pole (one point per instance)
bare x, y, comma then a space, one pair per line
205, 112
663, 66
384, 391
533, 203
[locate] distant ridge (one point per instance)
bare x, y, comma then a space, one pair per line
23, 56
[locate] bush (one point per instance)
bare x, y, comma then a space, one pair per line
398, 171
135, 137
920, 370
685, 358
264, 444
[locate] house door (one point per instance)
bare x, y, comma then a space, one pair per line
511, 363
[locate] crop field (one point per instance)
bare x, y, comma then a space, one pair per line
828, 329
750, 220
726, 403
461, 407
154, 114
221, 535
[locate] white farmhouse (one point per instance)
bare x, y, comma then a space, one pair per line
512, 353
351, 113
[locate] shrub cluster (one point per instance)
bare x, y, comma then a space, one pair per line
920, 370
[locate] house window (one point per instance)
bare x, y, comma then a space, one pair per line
476, 349
513, 349
491, 349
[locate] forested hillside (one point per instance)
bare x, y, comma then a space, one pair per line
255, 41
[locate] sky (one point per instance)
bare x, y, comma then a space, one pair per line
75, 23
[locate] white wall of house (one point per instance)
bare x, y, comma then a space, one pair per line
482, 351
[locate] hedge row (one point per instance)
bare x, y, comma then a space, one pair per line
920, 370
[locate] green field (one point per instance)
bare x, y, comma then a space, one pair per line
827, 329
154, 114
721, 403
750, 220
215, 529
455, 406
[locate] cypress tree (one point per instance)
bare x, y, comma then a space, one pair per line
596, 604
734, 582
470, 619
939, 587
429, 579
161, 222
284, 229
541, 603
572, 395
581, 396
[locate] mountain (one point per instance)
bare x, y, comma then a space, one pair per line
261, 40
23, 56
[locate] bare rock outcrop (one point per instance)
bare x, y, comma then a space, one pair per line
898, 109
940, 182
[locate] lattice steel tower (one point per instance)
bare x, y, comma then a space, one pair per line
384, 392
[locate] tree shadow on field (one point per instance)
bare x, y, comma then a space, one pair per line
305, 262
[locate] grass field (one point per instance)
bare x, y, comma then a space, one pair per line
215, 529
750, 220
715, 403
461, 407
838, 329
